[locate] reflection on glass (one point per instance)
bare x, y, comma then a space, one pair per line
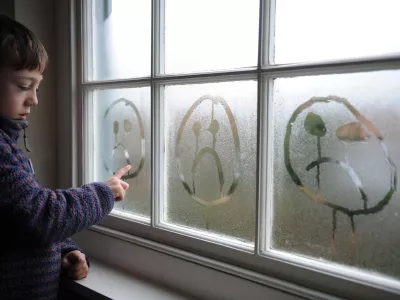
314, 30
122, 136
121, 39
336, 153
210, 35
211, 139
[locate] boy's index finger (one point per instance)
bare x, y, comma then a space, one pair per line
121, 172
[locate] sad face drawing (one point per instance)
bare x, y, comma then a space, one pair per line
315, 120
123, 127
205, 133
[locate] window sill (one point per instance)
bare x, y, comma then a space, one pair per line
180, 273
107, 282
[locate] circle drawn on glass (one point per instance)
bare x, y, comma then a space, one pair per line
119, 145
213, 127
349, 134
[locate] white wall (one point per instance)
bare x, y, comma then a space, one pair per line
38, 16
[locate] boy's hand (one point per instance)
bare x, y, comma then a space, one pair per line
74, 264
117, 185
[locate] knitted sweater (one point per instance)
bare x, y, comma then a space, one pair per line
36, 223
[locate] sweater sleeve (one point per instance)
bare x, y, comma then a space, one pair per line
69, 245
41, 215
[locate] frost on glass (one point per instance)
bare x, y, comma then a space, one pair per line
121, 40
336, 153
210, 161
315, 30
121, 133
206, 35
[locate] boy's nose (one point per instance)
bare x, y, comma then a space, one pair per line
33, 99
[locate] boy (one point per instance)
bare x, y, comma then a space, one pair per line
35, 222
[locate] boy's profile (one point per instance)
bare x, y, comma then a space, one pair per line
36, 223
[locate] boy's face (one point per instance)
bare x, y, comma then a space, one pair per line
18, 92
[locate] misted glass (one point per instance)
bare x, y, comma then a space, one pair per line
336, 153
210, 157
121, 136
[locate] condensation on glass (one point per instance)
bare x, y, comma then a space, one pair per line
314, 30
210, 157
121, 39
336, 153
121, 136
207, 35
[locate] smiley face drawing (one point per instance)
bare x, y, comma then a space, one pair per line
358, 130
121, 115
213, 130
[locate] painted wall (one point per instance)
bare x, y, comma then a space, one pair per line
38, 16
7, 8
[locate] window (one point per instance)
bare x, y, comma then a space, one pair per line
263, 134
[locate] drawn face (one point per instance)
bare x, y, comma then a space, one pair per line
127, 142
205, 136
335, 162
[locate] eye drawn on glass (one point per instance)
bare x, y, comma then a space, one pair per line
349, 134
126, 126
213, 127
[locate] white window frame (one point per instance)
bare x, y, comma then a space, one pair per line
316, 276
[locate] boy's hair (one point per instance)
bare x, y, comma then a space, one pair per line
20, 49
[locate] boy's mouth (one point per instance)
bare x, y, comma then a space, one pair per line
22, 116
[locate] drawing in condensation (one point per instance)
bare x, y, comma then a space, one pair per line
349, 134
119, 143
213, 127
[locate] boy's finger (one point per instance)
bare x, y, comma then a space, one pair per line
65, 263
120, 195
124, 185
121, 172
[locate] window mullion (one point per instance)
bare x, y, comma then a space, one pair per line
267, 32
261, 36
157, 24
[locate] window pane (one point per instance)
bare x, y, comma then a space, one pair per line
121, 132
315, 30
210, 163
121, 39
210, 34
334, 168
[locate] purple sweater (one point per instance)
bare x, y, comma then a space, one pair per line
36, 223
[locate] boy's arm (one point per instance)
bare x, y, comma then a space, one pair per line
41, 215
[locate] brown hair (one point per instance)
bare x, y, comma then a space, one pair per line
20, 49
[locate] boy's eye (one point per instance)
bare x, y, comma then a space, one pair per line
24, 88
27, 88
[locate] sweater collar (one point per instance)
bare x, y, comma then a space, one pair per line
12, 127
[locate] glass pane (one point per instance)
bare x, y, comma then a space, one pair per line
208, 35
210, 163
121, 133
315, 30
121, 39
334, 168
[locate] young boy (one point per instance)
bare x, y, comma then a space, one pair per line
35, 222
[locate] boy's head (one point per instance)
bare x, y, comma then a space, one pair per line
23, 60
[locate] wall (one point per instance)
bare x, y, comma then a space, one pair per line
7, 8
38, 16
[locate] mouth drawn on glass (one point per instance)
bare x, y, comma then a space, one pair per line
127, 127
349, 134
213, 127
